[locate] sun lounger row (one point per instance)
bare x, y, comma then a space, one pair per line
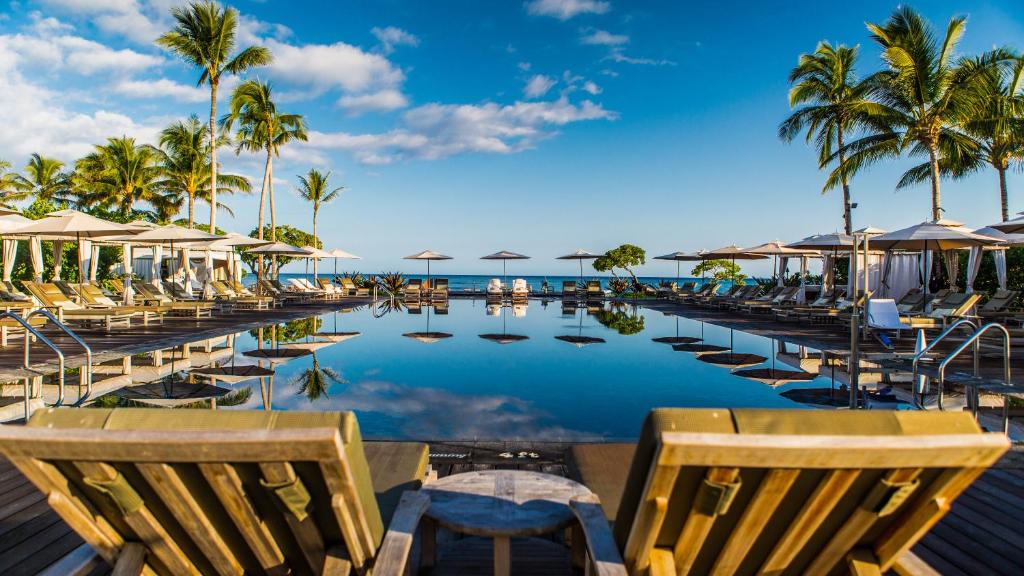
415, 291
702, 491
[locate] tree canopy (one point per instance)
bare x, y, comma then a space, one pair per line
624, 257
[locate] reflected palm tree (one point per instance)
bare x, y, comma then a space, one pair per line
314, 381
388, 306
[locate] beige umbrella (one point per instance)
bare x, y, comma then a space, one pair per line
731, 253
505, 256
339, 254
67, 224
9, 222
314, 254
279, 249
678, 257
427, 255
581, 255
171, 234
5, 211
1011, 226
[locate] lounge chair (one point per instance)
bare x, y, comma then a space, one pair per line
350, 288
50, 297
884, 314
569, 290
520, 291
146, 292
243, 292
298, 286
785, 298
761, 298
93, 297
998, 305
824, 301
494, 291
683, 291
439, 290
594, 291
412, 290
703, 294
282, 297
666, 289
223, 292
222, 492
330, 287
735, 294
179, 294
912, 302
954, 306
779, 491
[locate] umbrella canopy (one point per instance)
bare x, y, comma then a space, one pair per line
581, 255
774, 376
233, 373
11, 221
427, 337
676, 340
1011, 226
170, 233
732, 359
930, 236
234, 240
777, 248
276, 355
834, 241
337, 336
580, 341
72, 224
699, 349
4, 211
316, 253
339, 253
505, 256
504, 338
427, 255
678, 257
279, 249
731, 252
171, 394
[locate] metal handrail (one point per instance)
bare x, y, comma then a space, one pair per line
918, 356
63, 328
390, 294
29, 332
973, 339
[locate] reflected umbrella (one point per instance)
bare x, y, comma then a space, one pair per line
579, 340
817, 396
428, 337
277, 355
233, 374
504, 337
732, 359
168, 393
677, 339
773, 376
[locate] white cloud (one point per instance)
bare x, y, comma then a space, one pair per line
333, 66
390, 37
66, 52
524, 66
162, 88
538, 85
617, 55
603, 38
435, 131
592, 88
376, 101
566, 9
140, 21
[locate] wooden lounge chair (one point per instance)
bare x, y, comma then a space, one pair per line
999, 305
786, 297
569, 290
146, 292
953, 306
683, 291
412, 290
95, 298
594, 291
351, 289
779, 491
439, 290
824, 301
51, 298
269, 288
229, 492
666, 289
735, 293
912, 302
223, 292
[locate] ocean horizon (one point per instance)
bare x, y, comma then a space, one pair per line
478, 282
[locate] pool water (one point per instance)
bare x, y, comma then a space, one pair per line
428, 375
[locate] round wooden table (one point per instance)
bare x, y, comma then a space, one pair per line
503, 504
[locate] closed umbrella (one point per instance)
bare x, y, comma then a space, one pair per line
580, 255
427, 255
678, 257
504, 256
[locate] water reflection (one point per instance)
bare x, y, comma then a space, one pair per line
313, 382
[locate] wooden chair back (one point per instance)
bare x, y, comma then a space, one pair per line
1000, 301
792, 491
203, 492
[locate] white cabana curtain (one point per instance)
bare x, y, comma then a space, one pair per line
801, 296
85, 260
872, 263
1000, 259
157, 264
94, 263
973, 266
35, 252
828, 265
952, 261
126, 262
185, 269
781, 272
207, 275
902, 272
58, 258
10, 253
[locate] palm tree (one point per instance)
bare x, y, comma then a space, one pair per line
46, 179
833, 103
313, 188
205, 37
262, 128
314, 382
120, 174
185, 166
11, 187
998, 127
922, 96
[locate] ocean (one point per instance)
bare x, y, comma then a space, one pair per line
476, 282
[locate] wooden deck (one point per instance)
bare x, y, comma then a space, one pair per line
982, 534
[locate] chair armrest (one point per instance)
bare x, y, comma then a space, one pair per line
601, 547
394, 552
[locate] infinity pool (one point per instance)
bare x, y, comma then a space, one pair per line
479, 372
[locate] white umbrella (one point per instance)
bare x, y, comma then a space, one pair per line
1011, 226
5, 211
315, 254
732, 253
427, 255
679, 257
580, 255
279, 249
776, 248
170, 234
505, 256
339, 254
66, 224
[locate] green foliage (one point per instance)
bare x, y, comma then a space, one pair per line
625, 257
314, 382
720, 270
292, 331
618, 286
625, 324
286, 234
394, 282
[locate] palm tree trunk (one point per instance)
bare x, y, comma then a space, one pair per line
191, 209
273, 212
847, 216
263, 199
1004, 200
213, 156
315, 260
933, 158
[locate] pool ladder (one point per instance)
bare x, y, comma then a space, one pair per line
974, 383
32, 332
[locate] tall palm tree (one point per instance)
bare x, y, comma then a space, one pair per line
11, 187
204, 36
314, 188
121, 174
832, 103
924, 93
185, 166
262, 128
46, 179
998, 127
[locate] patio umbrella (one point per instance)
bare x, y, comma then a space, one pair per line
277, 355
339, 254
699, 349
776, 248
168, 393
5, 211
230, 242
678, 257
504, 337
731, 358
315, 254
233, 374
578, 339
67, 224
279, 249
834, 242
774, 377
1011, 226
731, 253
427, 255
171, 234
580, 255
928, 236
427, 336
504, 256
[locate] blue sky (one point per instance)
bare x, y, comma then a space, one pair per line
537, 126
